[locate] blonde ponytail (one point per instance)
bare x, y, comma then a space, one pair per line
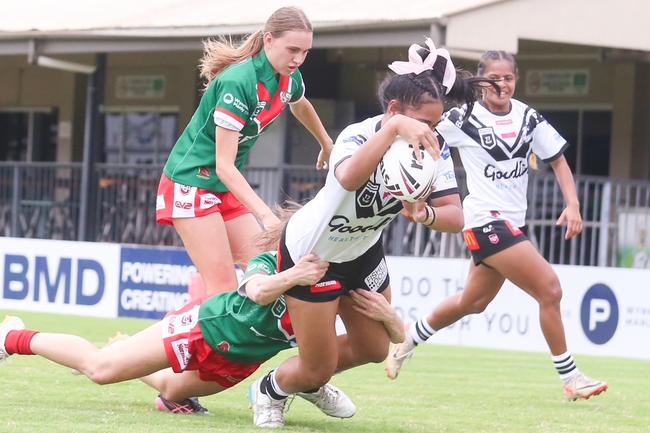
220, 53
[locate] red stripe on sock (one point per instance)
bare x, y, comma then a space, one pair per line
19, 342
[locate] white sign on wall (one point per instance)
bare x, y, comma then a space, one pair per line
59, 276
606, 311
557, 82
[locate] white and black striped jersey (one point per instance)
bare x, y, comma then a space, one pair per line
339, 225
494, 150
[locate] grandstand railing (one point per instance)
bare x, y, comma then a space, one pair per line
41, 200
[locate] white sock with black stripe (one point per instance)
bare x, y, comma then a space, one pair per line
269, 386
565, 366
420, 331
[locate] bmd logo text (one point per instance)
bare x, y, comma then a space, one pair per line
599, 314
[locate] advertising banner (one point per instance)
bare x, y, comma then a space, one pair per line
59, 276
606, 311
153, 281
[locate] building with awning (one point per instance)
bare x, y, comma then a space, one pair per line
585, 63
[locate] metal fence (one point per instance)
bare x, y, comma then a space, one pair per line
41, 200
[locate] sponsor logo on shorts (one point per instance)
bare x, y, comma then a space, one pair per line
488, 229
179, 204
181, 350
494, 238
377, 276
326, 286
208, 201
184, 189
177, 324
470, 240
160, 202
514, 230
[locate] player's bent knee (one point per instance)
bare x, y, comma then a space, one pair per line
550, 292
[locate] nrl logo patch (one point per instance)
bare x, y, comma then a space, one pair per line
487, 137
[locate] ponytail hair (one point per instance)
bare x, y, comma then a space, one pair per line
269, 239
220, 53
467, 89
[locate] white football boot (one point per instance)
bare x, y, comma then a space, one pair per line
10, 323
267, 412
331, 401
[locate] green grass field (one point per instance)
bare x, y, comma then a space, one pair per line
442, 389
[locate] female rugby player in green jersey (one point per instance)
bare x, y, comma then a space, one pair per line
202, 191
209, 344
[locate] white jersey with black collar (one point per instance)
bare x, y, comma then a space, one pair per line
494, 150
339, 225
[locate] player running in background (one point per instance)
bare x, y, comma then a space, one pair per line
494, 146
344, 222
210, 345
202, 190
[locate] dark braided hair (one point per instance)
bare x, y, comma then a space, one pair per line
416, 89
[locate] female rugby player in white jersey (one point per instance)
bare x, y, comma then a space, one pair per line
344, 222
494, 145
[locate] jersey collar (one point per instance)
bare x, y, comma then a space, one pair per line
263, 66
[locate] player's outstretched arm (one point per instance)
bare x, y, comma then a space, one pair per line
376, 307
264, 289
304, 111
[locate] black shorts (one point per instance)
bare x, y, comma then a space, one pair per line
491, 238
367, 271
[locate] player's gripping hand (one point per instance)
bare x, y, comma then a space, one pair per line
373, 305
309, 270
415, 212
414, 131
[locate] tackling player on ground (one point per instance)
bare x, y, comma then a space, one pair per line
210, 345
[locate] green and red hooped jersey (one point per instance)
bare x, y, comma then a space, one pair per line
241, 330
246, 97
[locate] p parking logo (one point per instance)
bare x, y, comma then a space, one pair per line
599, 314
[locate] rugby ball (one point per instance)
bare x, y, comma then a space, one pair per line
405, 177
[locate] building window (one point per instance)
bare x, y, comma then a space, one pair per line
589, 134
28, 135
142, 137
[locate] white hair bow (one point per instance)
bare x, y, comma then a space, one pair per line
438, 61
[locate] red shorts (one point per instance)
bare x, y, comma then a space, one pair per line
187, 350
183, 201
